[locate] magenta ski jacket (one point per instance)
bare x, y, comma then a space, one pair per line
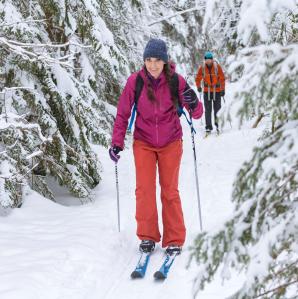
157, 123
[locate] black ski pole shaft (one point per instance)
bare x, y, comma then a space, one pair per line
118, 203
196, 169
202, 100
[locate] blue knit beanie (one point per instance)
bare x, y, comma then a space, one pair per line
208, 55
156, 48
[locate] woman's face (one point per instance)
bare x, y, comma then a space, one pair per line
154, 66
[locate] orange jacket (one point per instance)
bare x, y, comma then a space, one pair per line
218, 81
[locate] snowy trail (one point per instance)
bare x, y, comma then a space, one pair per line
49, 251
219, 159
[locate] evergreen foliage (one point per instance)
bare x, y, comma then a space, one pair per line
260, 238
53, 107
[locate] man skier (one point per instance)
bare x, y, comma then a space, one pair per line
211, 76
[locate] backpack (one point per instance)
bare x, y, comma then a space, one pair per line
138, 89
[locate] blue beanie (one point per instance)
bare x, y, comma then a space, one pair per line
208, 55
156, 48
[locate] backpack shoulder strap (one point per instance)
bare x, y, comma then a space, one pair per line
138, 88
175, 81
215, 65
203, 70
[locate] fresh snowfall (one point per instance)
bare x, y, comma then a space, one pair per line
65, 231
52, 251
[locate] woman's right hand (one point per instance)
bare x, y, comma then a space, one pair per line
114, 151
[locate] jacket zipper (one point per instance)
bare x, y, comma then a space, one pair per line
156, 117
156, 123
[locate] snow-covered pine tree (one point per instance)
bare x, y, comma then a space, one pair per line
261, 238
54, 94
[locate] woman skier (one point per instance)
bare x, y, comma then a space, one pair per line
157, 142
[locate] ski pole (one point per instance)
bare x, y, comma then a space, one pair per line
201, 100
196, 170
118, 203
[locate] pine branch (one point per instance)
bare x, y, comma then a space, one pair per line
30, 170
258, 120
276, 289
27, 45
19, 49
35, 154
9, 146
5, 89
285, 269
176, 14
22, 22
30, 127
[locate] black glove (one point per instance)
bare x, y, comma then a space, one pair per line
222, 93
192, 102
190, 98
199, 89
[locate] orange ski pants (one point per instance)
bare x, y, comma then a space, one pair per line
168, 160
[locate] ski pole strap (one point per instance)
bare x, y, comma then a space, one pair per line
132, 119
181, 111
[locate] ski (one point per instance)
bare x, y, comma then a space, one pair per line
141, 267
162, 273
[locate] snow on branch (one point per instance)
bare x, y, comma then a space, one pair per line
8, 147
17, 122
28, 45
35, 154
176, 14
30, 55
4, 24
6, 89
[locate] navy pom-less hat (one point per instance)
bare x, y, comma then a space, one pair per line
156, 48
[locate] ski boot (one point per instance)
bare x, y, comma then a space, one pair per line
147, 246
207, 133
173, 249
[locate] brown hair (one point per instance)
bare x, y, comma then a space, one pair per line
167, 71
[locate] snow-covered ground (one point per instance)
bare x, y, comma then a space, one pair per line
51, 251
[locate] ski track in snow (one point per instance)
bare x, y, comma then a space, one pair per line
49, 251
